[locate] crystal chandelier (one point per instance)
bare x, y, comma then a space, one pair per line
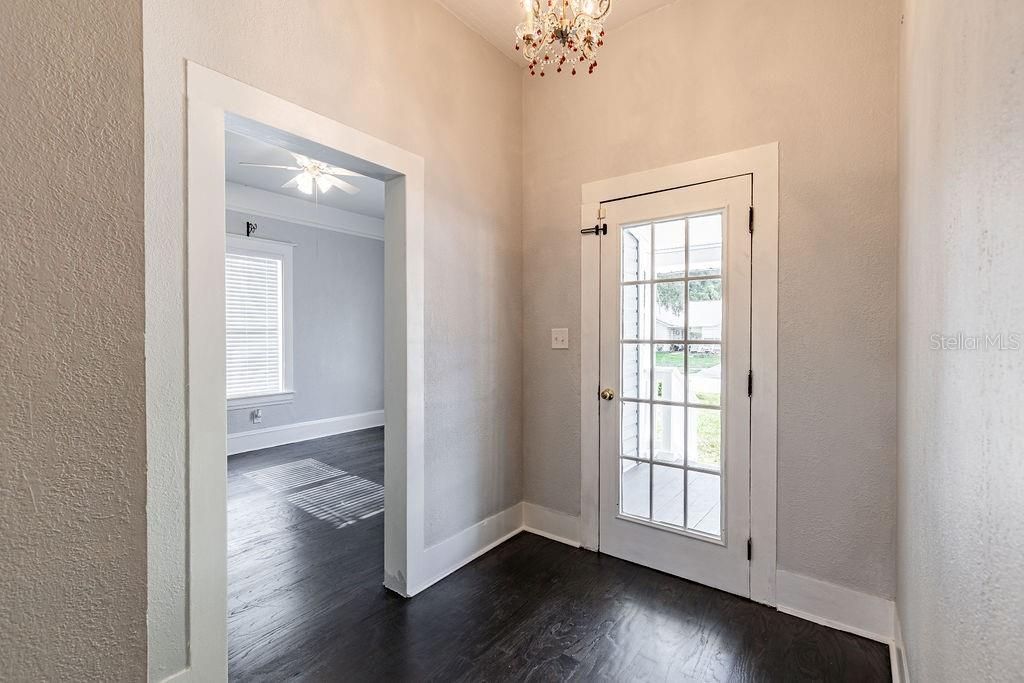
565, 35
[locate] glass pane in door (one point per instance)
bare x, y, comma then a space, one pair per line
636, 489
636, 253
703, 507
636, 311
670, 434
636, 441
704, 438
705, 252
670, 249
671, 373
704, 309
668, 488
704, 374
636, 371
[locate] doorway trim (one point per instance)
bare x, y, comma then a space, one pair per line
762, 163
210, 96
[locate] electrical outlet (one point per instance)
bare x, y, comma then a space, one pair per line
256, 416
559, 337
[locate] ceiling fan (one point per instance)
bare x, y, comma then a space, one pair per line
314, 175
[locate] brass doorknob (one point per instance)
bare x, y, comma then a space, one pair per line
607, 394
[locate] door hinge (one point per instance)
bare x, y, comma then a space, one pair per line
750, 549
750, 221
750, 383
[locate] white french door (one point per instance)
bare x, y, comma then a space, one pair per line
675, 360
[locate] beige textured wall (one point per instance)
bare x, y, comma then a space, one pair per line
72, 414
961, 479
411, 74
702, 77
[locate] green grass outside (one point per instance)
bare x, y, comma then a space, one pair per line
709, 437
677, 359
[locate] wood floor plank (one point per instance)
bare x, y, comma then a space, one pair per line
306, 604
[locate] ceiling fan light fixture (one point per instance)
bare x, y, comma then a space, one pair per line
314, 177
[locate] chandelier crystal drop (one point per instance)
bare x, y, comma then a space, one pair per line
564, 35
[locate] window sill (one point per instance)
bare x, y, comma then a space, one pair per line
261, 401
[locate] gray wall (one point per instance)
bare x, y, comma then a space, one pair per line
72, 403
961, 478
704, 77
414, 75
338, 324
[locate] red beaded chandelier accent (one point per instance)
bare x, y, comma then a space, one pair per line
564, 35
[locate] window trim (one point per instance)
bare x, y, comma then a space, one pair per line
258, 246
261, 400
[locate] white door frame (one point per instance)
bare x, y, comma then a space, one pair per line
762, 163
210, 96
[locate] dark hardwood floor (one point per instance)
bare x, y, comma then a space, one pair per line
305, 563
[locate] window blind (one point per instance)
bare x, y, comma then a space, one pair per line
255, 348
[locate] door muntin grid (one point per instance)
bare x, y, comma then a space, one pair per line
672, 398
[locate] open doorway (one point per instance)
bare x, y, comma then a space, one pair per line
304, 350
219, 107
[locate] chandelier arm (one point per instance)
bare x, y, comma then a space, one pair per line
603, 7
582, 21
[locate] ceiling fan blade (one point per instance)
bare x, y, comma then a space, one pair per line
337, 170
287, 168
302, 161
341, 184
294, 182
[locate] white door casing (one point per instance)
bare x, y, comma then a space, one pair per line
212, 96
761, 164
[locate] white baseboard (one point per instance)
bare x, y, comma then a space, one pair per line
552, 524
898, 651
835, 606
453, 553
242, 442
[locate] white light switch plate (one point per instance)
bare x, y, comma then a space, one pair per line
559, 337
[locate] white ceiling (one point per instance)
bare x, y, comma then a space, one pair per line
496, 20
251, 147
